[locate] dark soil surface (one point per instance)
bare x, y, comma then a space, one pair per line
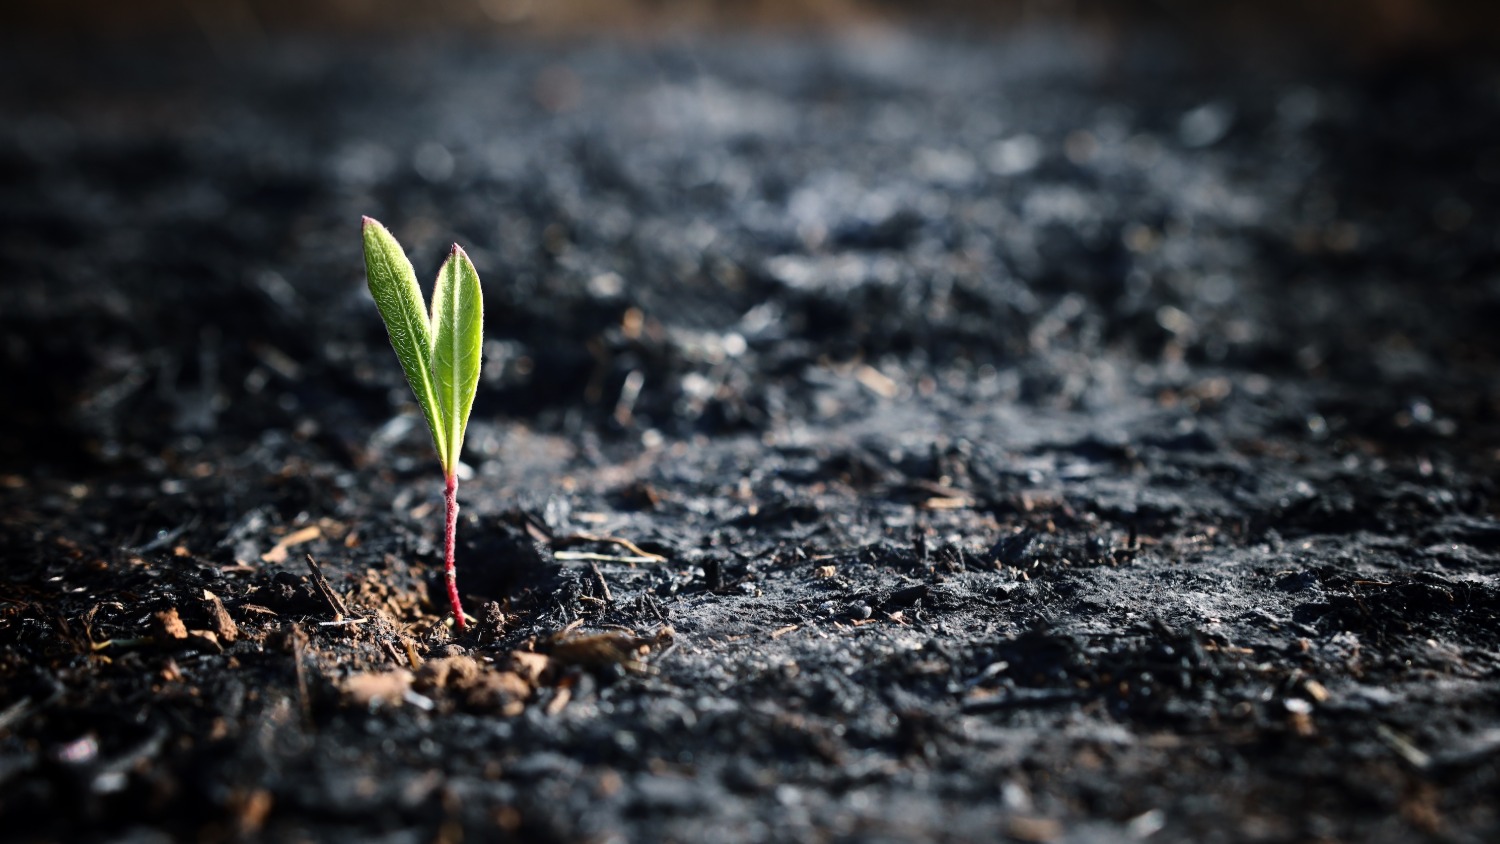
898, 439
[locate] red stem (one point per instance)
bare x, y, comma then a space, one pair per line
450, 499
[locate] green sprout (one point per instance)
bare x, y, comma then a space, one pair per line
440, 354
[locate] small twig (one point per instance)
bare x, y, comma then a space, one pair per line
343, 622
321, 583
14, 713
575, 538
655, 608
604, 558
782, 631
136, 642
629, 392
1403, 747
603, 586
411, 654
164, 538
391, 649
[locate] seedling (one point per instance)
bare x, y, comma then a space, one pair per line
439, 352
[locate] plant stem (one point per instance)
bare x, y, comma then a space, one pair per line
450, 573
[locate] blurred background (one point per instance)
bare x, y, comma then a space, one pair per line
1369, 28
698, 216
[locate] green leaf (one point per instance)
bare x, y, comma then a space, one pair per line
457, 343
393, 284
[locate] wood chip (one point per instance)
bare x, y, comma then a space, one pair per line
877, 382
204, 640
383, 688
444, 672
531, 666
473, 686
250, 809
1033, 829
947, 503
167, 626
597, 651
1316, 691
219, 618
497, 691
278, 552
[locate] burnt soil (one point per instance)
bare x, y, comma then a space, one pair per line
897, 439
